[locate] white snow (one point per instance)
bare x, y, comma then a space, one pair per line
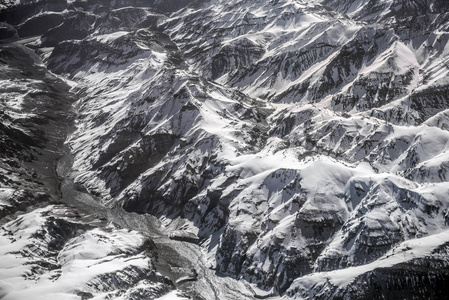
174, 295
95, 252
371, 168
404, 252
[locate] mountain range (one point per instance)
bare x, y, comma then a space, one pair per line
211, 149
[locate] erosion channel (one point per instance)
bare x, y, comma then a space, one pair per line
36, 160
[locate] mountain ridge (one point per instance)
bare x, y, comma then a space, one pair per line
297, 140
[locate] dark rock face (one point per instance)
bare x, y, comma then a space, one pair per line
75, 27
16, 14
7, 31
35, 105
233, 57
40, 24
417, 279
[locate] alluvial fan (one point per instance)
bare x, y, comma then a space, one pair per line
256, 149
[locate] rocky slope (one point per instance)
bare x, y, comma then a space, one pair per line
48, 248
303, 144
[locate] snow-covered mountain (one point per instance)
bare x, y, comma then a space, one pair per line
282, 149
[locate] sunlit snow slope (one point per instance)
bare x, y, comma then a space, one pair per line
303, 144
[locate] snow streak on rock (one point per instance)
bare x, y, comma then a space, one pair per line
54, 253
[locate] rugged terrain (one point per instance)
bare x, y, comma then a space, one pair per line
255, 149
